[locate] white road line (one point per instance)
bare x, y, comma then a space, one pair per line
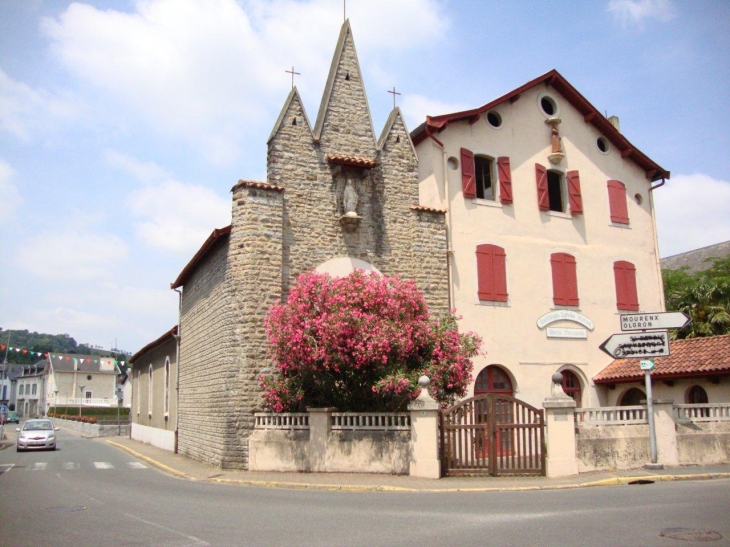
103, 465
5, 467
197, 541
70, 465
39, 466
137, 465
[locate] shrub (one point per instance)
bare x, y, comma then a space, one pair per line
360, 343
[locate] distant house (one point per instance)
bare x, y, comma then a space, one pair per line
696, 371
696, 260
154, 392
29, 390
74, 380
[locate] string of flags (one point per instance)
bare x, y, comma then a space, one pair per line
58, 357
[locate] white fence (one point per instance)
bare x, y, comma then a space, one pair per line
268, 420
83, 401
611, 415
371, 421
708, 412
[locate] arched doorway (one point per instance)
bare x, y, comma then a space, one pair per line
632, 397
493, 379
696, 395
572, 387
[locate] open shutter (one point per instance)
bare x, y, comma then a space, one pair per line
565, 279
543, 199
491, 273
624, 274
576, 201
505, 180
468, 180
617, 202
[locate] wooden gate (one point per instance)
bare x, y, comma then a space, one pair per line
492, 434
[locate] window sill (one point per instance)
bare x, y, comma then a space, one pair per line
620, 225
557, 307
558, 214
487, 202
492, 303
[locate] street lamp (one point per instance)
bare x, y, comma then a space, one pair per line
81, 399
55, 400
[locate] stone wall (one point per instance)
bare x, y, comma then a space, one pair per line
703, 443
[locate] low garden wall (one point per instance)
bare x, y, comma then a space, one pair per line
92, 430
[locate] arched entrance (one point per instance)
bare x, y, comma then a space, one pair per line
493, 379
572, 387
632, 397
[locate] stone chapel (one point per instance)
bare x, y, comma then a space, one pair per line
335, 198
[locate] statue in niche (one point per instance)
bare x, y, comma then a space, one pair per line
349, 199
555, 140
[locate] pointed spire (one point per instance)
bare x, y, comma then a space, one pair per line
292, 113
344, 102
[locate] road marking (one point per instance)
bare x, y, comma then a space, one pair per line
70, 465
197, 541
38, 466
103, 465
137, 465
5, 467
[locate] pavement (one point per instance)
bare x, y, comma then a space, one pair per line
188, 469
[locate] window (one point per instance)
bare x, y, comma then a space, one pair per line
491, 273
167, 386
483, 172
697, 396
20, 390
139, 390
493, 379
574, 195
571, 386
624, 274
565, 279
617, 202
149, 392
632, 397
35, 389
89, 395
478, 177
555, 190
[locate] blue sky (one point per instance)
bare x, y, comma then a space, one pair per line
124, 125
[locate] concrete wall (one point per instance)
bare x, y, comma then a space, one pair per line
512, 339
92, 430
154, 436
612, 447
703, 442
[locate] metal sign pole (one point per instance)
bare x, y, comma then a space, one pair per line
650, 412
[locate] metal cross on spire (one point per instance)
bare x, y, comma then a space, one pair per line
394, 92
292, 75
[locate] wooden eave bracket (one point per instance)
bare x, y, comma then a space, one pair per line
626, 152
514, 98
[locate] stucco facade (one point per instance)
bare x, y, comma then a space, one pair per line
527, 334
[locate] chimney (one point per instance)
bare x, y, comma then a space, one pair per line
614, 122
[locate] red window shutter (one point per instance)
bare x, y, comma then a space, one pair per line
624, 274
491, 273
505, 180
468, 180
565, 279
543, 200
576, 201
617, 202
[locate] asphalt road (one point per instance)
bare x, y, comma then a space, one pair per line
88, 493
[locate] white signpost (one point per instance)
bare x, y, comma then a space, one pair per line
637, 345
653, 321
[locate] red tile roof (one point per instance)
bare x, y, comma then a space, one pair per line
689, 358
436, 124
169, 334
204, 249
256, 184
427, 209
351, 161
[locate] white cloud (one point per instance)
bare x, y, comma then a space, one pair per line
71, 253
177, 216
692, 211
24, 110
11, 198
636, 11
147, 172
207, 71
416, 107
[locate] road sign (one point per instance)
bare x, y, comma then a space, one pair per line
650, 321
647, 364
636, 345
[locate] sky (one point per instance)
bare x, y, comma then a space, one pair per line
124, 124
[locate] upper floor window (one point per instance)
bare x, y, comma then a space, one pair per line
20, 389
149, 392
565, 279
556, 192
624, 274
34, 389
479, 175
617, 202
491, 273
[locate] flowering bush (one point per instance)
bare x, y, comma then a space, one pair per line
360, 343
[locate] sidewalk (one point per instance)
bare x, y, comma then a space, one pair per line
185, 468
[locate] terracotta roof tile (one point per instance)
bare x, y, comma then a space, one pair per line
688, 358
351, 161
256, 184
427, 209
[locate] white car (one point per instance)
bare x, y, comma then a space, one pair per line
36, 434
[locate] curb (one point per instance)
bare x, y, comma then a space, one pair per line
613, 481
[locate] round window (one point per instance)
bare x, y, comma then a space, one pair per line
494, 119
548, 106
88, 377
602, 145
639, 199
453, 163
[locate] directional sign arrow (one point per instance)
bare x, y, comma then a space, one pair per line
637, 345
659, 320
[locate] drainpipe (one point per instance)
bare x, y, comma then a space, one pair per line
177, 365
449, 250
662, 302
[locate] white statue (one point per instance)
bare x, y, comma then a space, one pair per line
349, 199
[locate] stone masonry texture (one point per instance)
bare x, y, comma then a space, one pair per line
288, 226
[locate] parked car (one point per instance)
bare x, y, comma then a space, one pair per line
13, 417
36, 434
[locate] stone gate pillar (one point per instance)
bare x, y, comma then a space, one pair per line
424, 434
560, 434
